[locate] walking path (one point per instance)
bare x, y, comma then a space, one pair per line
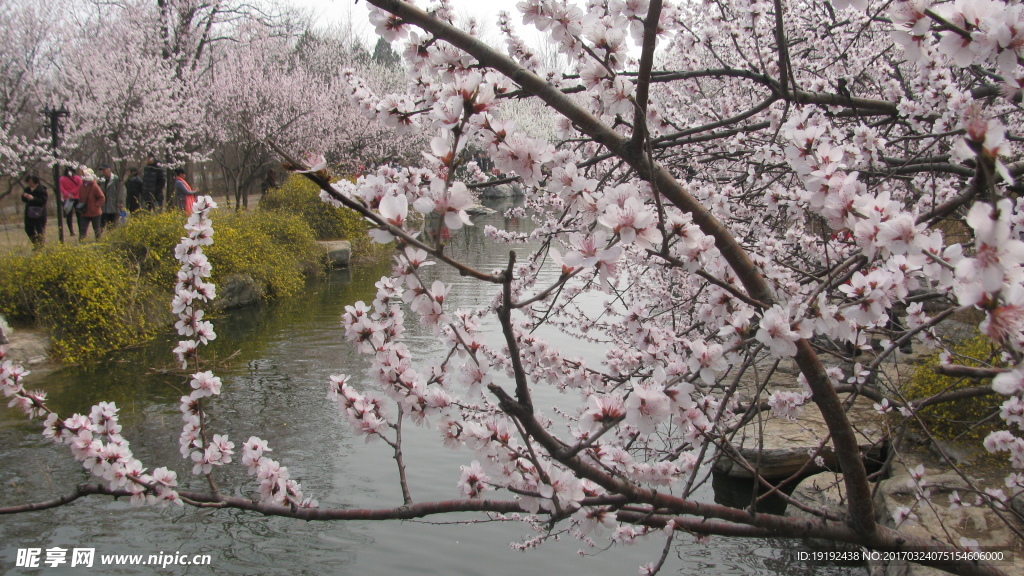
14, 240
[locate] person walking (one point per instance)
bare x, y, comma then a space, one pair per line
70, 183
153, 182
269, 183
114, 192
133, 190
184, 193
34, 196
91, 199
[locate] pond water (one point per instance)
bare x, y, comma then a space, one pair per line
275, 362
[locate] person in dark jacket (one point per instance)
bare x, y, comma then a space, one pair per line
133, 190
115, 193
34, 197
153, 182
269, 183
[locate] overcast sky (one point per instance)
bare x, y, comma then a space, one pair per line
486, 11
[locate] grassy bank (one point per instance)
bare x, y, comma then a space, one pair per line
301, 197
94, 297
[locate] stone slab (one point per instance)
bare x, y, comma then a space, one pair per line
339, 252
782, 447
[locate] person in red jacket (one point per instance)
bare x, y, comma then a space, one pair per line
70, 183
184, 193
92, 212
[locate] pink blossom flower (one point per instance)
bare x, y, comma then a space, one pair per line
450, 202
564, 487
903, 514
473, 481
594, 520
602, 410
707, 359
646, 407
633, 222
776, 332
205, 384
787, 404
394, 209
998, 256
1000, 441
1009, 383
315, 162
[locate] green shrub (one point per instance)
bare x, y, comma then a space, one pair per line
277, 250
98, 297
147, 242
83, 295
301, 197
957, 418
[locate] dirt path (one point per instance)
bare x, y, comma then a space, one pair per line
13, 239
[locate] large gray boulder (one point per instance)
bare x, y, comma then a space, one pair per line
939, 521
479, 210
237, 291
501, 191
25, 347
783, 447
339, 252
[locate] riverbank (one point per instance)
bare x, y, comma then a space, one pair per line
96, 296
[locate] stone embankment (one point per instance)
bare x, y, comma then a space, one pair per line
948, 467
501, 191
935, 519
30, 348
339, 252
780, 447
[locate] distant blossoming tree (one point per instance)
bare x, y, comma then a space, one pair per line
25, 61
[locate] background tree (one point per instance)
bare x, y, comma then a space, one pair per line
27, 57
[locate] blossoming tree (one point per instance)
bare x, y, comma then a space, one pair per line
270, 87
771, 194
24, 66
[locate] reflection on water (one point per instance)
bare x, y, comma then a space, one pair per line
275, 362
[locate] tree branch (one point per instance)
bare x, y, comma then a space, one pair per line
643, 85
861, 507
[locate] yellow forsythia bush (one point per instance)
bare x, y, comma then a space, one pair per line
959, 418
85, 296
301, 197
93, 298
278, 250
147, 243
